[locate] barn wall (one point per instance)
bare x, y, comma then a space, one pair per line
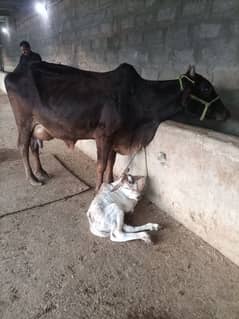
160, 38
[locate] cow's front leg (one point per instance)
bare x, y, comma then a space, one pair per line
103, 144
23, 145
109, 177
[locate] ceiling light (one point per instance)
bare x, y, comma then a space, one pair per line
40, 8
5, 30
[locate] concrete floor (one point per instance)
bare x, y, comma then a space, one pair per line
52, 267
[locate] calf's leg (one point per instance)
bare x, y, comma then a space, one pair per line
146, 227
118, 235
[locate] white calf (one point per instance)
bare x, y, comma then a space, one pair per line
106, 211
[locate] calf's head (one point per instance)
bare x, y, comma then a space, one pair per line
132, 186
135, 183
199, 97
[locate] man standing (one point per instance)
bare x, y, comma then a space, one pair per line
27, 57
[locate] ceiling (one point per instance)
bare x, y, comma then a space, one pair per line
11, 7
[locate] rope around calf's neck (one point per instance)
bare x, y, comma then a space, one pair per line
125, 171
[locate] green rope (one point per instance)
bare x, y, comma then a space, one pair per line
181, 77
207, 104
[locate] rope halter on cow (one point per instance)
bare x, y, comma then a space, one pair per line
194, 97
181, 77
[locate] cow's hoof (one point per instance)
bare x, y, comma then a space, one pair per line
96, 190
42, 176
109, 179
35, 182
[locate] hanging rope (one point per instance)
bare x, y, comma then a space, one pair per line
126, 170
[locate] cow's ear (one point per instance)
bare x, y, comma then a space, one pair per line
189, 69
192, 71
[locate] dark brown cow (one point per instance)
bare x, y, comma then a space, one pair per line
118, 109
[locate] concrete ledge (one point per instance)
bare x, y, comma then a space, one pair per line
2, 84
194, 177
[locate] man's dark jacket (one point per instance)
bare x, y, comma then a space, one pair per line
27, 59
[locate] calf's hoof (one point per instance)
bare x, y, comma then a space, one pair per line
155, 227
146, 238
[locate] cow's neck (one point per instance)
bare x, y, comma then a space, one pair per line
164, 99
153, 102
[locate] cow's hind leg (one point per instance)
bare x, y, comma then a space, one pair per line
103, 149
39, 134
39, 172
24, 139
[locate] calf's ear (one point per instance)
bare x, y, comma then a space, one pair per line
141, 181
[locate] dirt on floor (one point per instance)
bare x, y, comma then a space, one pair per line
52, 267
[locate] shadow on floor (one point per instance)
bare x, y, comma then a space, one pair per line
150, 313
9, 154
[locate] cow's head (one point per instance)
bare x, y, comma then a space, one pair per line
199, 97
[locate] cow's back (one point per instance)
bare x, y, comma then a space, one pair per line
71, 103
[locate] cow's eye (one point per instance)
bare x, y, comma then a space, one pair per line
205, 89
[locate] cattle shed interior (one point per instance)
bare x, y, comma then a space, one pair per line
50, 264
